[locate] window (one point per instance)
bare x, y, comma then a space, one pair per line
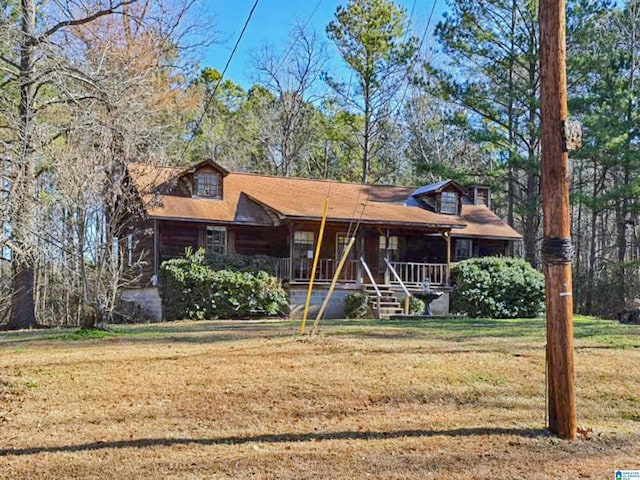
207, 184
392, 247
449, 203
216, 241
303, 244
482, 196
342, 240
302, 254
463, 249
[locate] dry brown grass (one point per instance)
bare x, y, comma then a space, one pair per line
211, 400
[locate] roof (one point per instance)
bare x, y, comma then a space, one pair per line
435, 188
258, 199
482, 222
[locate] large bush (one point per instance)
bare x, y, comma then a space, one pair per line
497, 287
241, 263
191, 288
356, 305
416, 306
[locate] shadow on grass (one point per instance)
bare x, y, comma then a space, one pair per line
276, 438
191, 332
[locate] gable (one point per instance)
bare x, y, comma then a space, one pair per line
204, 180
442, 197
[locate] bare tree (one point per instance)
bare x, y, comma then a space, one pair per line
95, 86
293, 77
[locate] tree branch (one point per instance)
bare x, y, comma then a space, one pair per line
80, 21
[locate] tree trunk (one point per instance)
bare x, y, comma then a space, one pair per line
23, 191
511, 188
367, 133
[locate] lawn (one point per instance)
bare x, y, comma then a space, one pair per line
440, 398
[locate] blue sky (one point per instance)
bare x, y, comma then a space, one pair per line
271, 23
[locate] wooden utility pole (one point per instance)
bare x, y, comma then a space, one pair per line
557, 248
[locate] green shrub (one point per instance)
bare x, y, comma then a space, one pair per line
356, 305
497, 287
416, 306
241, 263
191, 288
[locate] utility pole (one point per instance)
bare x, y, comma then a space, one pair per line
557, 250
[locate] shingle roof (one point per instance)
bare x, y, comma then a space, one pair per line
250, 198
435, 188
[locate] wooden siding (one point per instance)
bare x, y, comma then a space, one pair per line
272, 241
176, 237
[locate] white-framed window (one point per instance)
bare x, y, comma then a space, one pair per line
207, 184
463, 250
302, 253
449, 203
342, 240
216, 241
303, 244
393, 248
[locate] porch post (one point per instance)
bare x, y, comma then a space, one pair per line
447, 236
291, 275
359, 253
386, 255
156, 253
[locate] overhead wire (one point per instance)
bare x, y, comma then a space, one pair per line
222, 74
293, 44
420, 45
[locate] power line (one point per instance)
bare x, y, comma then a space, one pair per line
224, 70
413, 7
293, 44
426, 30
424, 35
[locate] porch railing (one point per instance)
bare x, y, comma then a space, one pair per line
299, 270
414, 274
411, 274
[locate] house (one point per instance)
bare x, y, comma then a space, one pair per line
404, 235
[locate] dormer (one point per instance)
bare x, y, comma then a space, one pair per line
205, 180
442, 197
480, 194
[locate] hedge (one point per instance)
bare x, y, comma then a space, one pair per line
191, 288
416, 306
356, 305
497, 287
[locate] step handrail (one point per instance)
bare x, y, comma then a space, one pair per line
404, 287
373, 282
397, 277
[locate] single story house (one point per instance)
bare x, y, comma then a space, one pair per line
404, 235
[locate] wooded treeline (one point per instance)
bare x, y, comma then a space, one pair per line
90, 85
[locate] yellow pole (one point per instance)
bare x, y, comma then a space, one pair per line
315, 264
332, 287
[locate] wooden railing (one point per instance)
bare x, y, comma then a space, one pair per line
405, 274
399, 280
299, 270
373, 282
413, 273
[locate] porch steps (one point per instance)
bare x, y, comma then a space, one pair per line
389, 305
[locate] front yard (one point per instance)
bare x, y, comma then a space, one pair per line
441, 398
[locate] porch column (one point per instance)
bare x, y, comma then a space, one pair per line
447, 237
290, 239
359, 252
386, 255
156, 253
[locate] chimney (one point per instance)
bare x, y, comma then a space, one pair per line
480, 195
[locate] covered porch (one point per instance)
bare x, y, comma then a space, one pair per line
380, 255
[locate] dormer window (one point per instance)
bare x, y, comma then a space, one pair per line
449, 203
207, 184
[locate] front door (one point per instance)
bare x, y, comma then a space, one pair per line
372, 257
